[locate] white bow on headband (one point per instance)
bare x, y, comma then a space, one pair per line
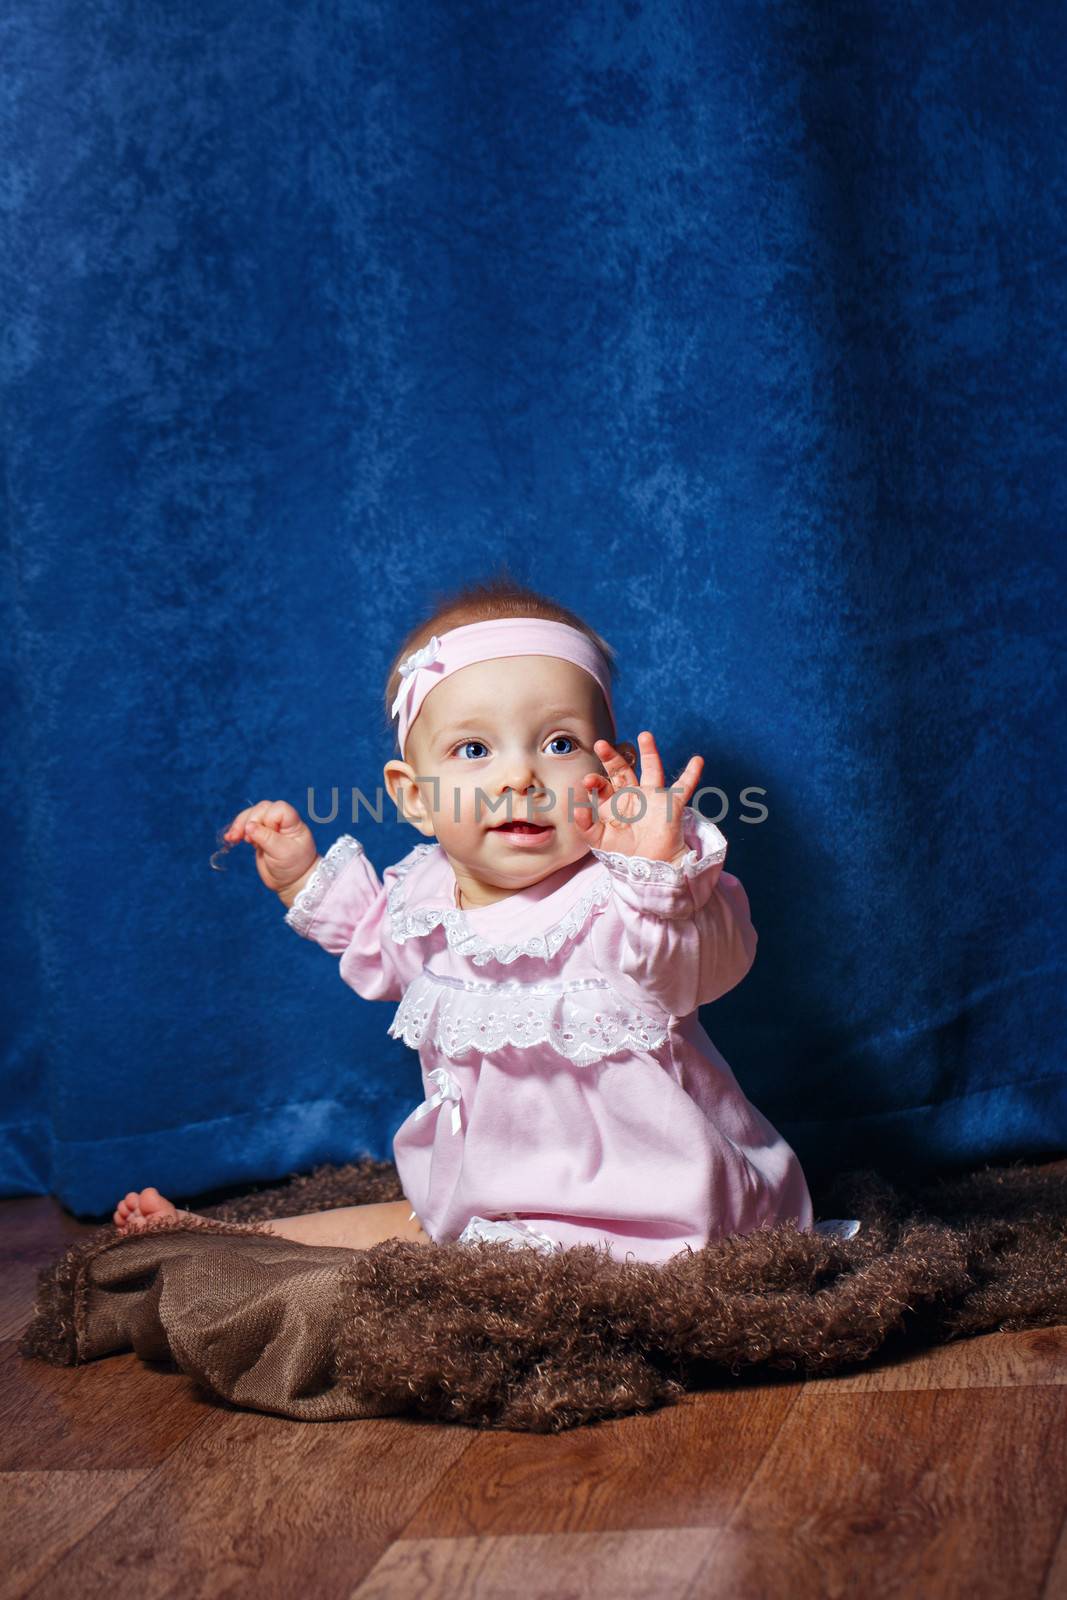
431, 651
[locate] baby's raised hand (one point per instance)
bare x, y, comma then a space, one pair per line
284, 844
648, 823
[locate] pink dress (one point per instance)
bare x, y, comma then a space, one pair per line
571, 1095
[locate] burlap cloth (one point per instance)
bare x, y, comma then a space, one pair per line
496, 1337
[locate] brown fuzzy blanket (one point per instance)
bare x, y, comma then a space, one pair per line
498, 1337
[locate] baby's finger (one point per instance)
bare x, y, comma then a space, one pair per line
618, 769
254, 817
273, 815
688, 778
237, 826
651, 765
282, 816
596, 786
259, 832
277, 817
587, 805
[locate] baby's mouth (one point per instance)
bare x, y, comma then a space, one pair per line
522, 827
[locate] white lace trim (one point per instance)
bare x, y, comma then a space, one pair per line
582, 1019
695, 831
421, 920
301, 913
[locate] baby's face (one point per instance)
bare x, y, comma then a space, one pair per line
505, 740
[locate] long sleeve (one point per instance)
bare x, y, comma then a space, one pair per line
682, 933
343, 908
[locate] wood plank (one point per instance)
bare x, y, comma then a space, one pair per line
683, 1466
666, 1469
262, 1506
961, 1492
1055, 1585
43, 1515
958, 1493
119, 1412
649, 1564
982, 1361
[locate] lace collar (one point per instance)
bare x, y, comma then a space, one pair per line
422, 898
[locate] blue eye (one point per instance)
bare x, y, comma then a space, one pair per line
566, 739
466, 743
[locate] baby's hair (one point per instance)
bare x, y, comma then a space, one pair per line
485, 601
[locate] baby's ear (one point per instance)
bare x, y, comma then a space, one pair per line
407, 796
625, 748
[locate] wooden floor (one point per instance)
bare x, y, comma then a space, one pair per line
940, 1474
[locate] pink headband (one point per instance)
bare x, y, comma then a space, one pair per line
446, 653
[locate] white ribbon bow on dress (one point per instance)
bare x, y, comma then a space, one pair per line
447, 1089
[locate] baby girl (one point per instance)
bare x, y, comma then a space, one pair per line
548, 948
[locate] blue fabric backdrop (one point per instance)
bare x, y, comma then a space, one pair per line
738, 327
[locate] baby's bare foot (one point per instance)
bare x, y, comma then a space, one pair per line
140, 1207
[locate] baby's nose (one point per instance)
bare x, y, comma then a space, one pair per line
519, 774
528, 798
514, 770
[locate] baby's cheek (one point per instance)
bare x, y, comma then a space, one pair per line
470, 804
455, 801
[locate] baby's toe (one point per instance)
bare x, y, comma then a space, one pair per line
140, 1207
153, 1204
128, 1213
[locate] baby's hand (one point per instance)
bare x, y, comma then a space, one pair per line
647, 824
285, 847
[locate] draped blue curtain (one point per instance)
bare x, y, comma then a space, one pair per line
737, 327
